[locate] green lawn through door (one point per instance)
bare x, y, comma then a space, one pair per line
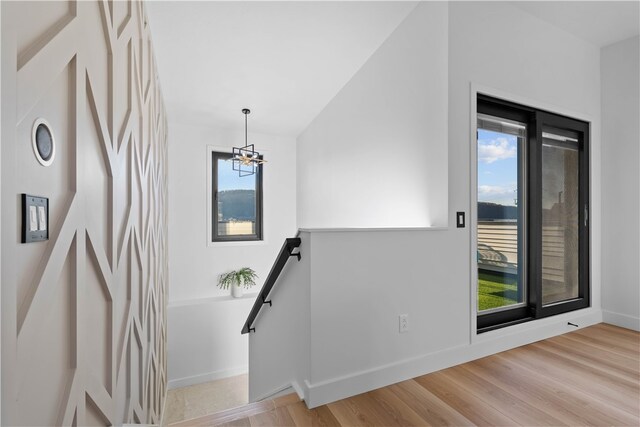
496, 290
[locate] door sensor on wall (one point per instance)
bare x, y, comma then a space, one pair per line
460, 219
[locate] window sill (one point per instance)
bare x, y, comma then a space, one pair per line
236, 243
368, 229
209, 300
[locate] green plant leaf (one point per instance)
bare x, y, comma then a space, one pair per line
245, 277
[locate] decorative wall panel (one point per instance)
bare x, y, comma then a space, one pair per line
83, 314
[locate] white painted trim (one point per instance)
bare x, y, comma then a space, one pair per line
353, 229
210, 300
209, 201
300, 391
338, 388
293, 387
622, 320
280, 391
235, 243
211, 376
473, 210
476, 88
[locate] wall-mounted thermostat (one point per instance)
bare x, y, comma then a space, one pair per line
43, 142
35, 218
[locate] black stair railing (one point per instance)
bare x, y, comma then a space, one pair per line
285, 253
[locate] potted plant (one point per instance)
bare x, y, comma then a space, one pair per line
237, 279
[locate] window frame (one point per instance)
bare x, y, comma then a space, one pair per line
508, 316
584, 278
258, 236
535, 118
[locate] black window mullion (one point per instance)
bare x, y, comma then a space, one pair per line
534, 212
585, 220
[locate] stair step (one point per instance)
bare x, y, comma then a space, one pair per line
240, 412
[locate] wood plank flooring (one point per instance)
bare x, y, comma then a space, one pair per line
587, 377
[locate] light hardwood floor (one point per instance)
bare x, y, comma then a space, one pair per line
587, 377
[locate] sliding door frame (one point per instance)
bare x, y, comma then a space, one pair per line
507, 110
535, 223
585, 165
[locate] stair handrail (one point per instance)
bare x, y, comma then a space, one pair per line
286, 252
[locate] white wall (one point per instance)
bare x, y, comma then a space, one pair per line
537, 64
376, 156
621, 183
361, 281
279, 348
204, 326
195, 266
357, 296
204, 340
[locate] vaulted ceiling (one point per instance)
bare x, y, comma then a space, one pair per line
283, 60
287, 60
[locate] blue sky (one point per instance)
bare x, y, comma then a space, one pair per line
228, 179
497, 167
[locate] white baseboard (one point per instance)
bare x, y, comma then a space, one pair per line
280, 391
203, 378
622, 320
293, 387
328, 391
300, 391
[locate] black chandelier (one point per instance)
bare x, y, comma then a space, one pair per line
246, 159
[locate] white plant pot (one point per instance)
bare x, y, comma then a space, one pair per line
236, 291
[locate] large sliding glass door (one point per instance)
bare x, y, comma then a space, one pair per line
532, 225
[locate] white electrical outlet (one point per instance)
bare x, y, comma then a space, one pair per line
404, 323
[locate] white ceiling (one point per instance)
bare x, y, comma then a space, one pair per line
283, 60
598, 22
286, 60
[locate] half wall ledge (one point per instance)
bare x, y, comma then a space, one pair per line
356, 229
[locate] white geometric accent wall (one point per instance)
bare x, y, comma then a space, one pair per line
83, 314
